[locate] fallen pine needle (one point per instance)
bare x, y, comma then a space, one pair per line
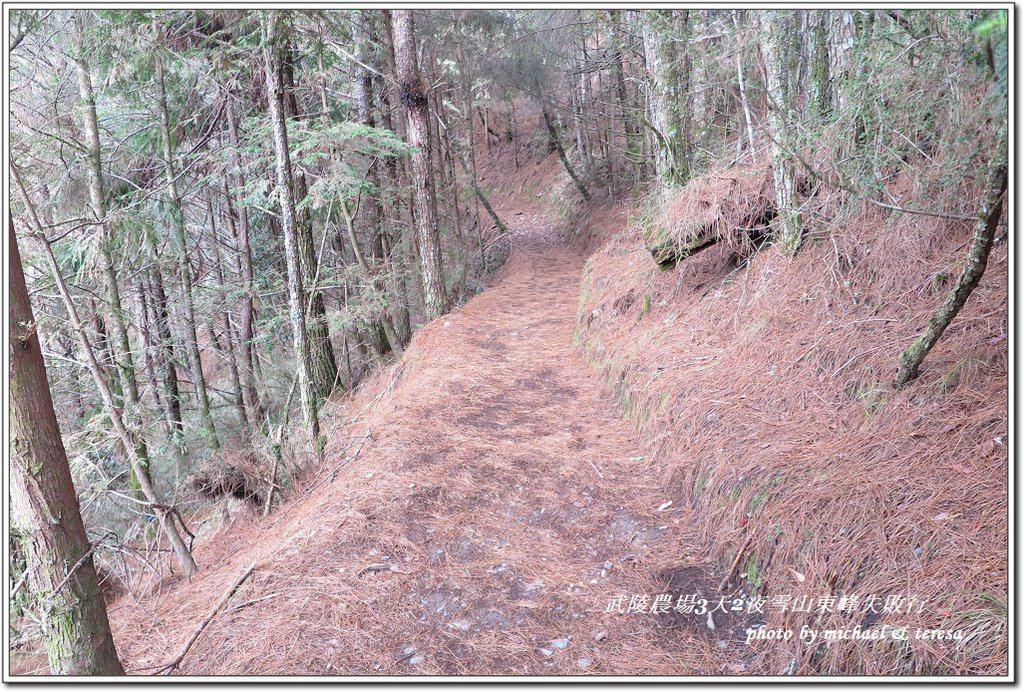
246, 604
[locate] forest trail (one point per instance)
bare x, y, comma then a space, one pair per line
500, 485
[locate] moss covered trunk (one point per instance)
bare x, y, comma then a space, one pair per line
977, 259
283, 169
44, 506
180, 244
413, 97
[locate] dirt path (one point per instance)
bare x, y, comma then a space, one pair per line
502, 488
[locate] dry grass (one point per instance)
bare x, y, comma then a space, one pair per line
241, 474
764, 392
732, 205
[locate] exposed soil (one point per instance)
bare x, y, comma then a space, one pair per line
499, 492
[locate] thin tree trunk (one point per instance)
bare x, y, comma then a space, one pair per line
977, 259
578, 93
553, 135
270, 25
695, 108
630, 130
744, 101
700, 104
44, 506
482, 112
481, 196
99, 327
382, 332
385, 324
76, 383
229, 331
206, 427
125, 434
467, 116
168, 403
415, 100
246, 327
451, 182
513, 135
162, 320
145, 324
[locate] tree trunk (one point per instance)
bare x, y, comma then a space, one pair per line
840, 49
480, 195
151, 325
145, 324
627, 106
128, 438
391, 338
775, 45
206, 428
413, 97
553, 136
390, 177
382, 332
230, 337
172, 395
324, 366
818, 95
447, 160
407, 245
579, 98
245, 328
270, 25
68, 346
700, 104
467, 118
44, 506
744, 100
977, 259
671, 158
692, 96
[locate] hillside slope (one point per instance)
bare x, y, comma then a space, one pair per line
761, 384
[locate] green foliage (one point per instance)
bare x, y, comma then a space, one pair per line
339, 149
912, 98
993, 31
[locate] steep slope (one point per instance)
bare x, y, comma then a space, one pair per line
762, 387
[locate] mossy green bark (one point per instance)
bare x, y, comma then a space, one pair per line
45, 510
977, 258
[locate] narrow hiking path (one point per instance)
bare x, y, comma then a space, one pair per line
497, 491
